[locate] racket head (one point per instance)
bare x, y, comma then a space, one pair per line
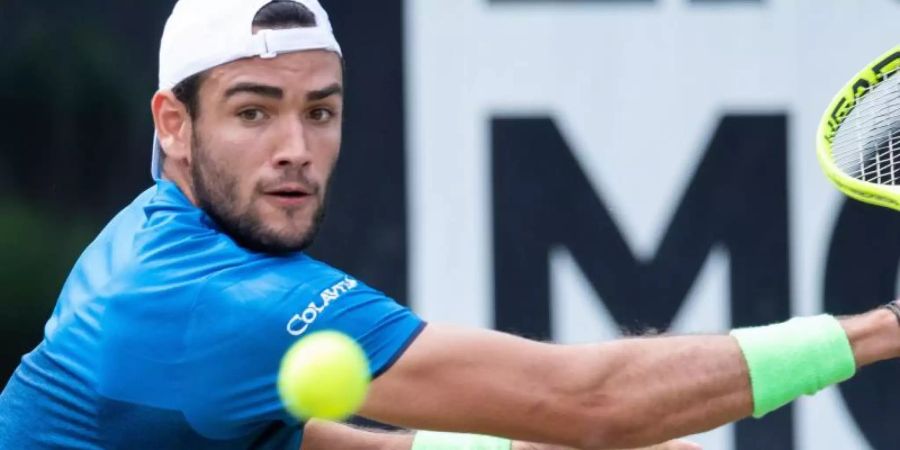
860, 184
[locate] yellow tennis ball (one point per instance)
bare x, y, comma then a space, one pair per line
325, 376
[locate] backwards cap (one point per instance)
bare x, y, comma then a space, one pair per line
202, 34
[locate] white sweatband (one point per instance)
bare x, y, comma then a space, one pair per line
432, 440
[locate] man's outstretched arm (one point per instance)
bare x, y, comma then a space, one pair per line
621, 394
320, 435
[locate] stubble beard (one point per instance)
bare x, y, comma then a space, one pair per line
215, 190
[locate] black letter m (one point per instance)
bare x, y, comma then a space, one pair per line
737, 200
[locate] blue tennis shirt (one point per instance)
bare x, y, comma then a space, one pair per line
168, 335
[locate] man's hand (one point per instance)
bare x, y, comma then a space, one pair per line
671, 445
320, 435
677, 444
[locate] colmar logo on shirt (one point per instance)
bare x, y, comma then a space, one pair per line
299, 323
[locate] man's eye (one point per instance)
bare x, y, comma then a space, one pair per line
321, 115
252, 115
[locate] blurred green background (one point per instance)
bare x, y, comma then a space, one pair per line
74, 123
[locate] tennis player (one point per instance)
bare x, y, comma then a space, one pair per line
170, 328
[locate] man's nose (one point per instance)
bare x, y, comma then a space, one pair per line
293, 149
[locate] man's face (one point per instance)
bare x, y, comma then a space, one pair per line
264, 146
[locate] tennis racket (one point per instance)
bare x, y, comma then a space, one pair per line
858, 141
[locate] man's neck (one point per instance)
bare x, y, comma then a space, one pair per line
179, 176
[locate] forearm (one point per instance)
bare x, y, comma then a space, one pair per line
641, 391
622, 394
485, 382
660, 388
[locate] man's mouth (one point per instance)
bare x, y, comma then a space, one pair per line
289, 194
289, 189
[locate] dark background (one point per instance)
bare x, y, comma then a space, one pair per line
76, 80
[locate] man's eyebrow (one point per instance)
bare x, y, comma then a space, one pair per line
257, 89
321, 94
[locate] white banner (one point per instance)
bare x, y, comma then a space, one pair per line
637, 90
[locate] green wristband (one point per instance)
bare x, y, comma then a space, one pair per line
797, 357
431, 440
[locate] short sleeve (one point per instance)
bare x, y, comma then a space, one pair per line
239, 333
382, 327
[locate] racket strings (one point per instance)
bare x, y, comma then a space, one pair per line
874, 135
878, 158
882, 165
866, 144
872, 117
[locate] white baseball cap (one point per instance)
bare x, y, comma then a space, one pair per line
202, 34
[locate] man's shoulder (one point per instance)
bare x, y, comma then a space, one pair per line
276, 277
177, 249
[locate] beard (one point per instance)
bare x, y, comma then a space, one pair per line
216, 192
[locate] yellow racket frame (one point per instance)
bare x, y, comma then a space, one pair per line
844, 102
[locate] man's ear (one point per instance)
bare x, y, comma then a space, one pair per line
173, 126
